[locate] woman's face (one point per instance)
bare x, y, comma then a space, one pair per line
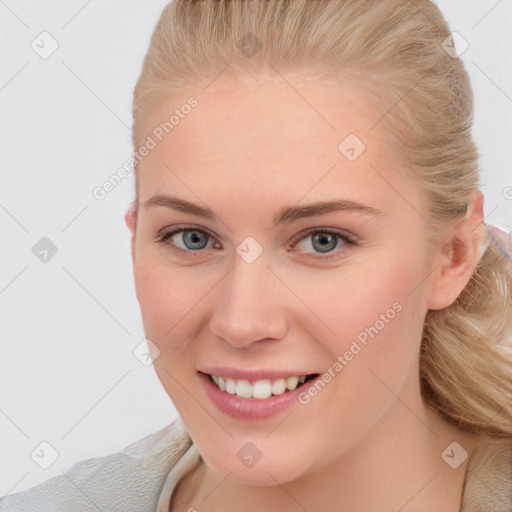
249, 293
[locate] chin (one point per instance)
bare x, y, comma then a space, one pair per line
267, 471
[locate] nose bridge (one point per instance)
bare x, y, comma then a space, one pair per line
247, 307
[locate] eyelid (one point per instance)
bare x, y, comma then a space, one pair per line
183, 227
349, 239
169, 231
325, 229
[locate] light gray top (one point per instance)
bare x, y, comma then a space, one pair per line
140, 478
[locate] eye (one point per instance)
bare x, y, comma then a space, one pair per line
191, 241
325, 241
184, 239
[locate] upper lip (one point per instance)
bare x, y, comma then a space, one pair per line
251, 375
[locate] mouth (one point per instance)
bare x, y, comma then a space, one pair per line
259, 389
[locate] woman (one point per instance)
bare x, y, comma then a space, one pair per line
322, 304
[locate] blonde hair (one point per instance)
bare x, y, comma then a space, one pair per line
399, 50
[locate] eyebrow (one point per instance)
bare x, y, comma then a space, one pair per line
284, 215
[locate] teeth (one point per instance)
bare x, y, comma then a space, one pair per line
260, 389
230, 386
244, 389
279, 387
291, 383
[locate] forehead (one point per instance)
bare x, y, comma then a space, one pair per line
273, 139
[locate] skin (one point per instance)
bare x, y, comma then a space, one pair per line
367, 441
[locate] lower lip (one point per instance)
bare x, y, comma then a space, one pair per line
251, 408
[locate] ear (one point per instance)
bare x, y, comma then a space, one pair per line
458, 253
130, 218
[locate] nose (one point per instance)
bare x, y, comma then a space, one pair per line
249, 305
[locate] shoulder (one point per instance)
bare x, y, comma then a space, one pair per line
128, 480
488, 483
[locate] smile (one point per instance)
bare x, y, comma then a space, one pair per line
258, 396
260, 389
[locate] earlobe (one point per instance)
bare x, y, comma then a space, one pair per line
453, 271
130, 218
459, 256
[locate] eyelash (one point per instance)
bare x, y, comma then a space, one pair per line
164, 235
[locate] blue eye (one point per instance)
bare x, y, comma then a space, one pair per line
325, 241
322, 241
190, 241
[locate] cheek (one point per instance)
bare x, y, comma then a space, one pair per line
377, 319
169, 301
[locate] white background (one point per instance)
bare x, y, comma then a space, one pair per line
69, 326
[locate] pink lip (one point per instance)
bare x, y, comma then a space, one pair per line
251, 375
251, 408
